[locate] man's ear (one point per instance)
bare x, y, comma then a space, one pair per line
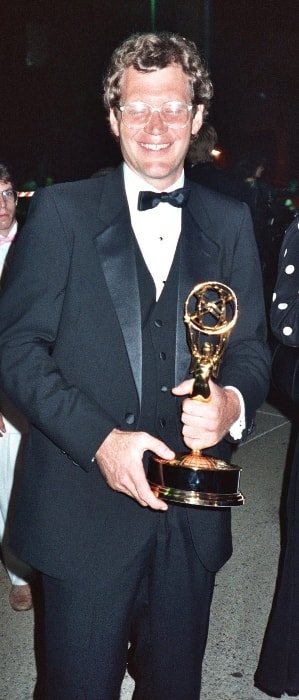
113, 123
197, 120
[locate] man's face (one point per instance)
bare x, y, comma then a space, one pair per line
156, 152
7, 209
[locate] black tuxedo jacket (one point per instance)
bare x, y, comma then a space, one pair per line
71, 359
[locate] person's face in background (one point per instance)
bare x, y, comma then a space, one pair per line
156, 152
8, 206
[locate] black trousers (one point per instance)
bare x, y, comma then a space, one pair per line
159, 601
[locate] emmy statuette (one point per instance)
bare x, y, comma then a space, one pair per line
194, 478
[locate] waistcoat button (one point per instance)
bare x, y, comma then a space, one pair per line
130, 418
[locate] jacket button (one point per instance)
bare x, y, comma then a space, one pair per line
130, 418
158, 323
162, 422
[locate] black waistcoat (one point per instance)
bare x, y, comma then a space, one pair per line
160, 410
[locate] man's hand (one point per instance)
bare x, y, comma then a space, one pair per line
205, 423
2, 426
120, 461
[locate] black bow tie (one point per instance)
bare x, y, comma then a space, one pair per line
149, 200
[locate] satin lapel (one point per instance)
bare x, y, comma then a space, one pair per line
115, 246
199, 256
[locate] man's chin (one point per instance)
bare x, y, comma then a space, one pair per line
160, 178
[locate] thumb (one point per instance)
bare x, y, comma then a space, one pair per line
184, 388
161, 449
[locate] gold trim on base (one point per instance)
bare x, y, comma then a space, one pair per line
194, 498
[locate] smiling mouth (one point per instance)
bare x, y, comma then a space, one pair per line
155, 146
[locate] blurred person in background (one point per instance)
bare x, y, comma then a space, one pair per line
202, 145
278, 669
13, 425
202, 167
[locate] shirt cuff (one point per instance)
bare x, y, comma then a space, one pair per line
236, 429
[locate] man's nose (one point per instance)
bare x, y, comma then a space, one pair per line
156, 125
3, 202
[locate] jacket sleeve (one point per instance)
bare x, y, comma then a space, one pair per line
246, 362
30, 313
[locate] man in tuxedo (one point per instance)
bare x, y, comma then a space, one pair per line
13, 426
96, 354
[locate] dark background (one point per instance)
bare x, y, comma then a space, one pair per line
54, 54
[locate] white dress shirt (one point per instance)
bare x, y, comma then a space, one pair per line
157, 230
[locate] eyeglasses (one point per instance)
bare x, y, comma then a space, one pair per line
136, 115
9, 195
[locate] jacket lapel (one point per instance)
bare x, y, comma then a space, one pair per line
199, 262
115, 247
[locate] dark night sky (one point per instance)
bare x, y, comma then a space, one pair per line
52, 120
255, 70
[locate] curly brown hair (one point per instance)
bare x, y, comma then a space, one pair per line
5, 175
151, 52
